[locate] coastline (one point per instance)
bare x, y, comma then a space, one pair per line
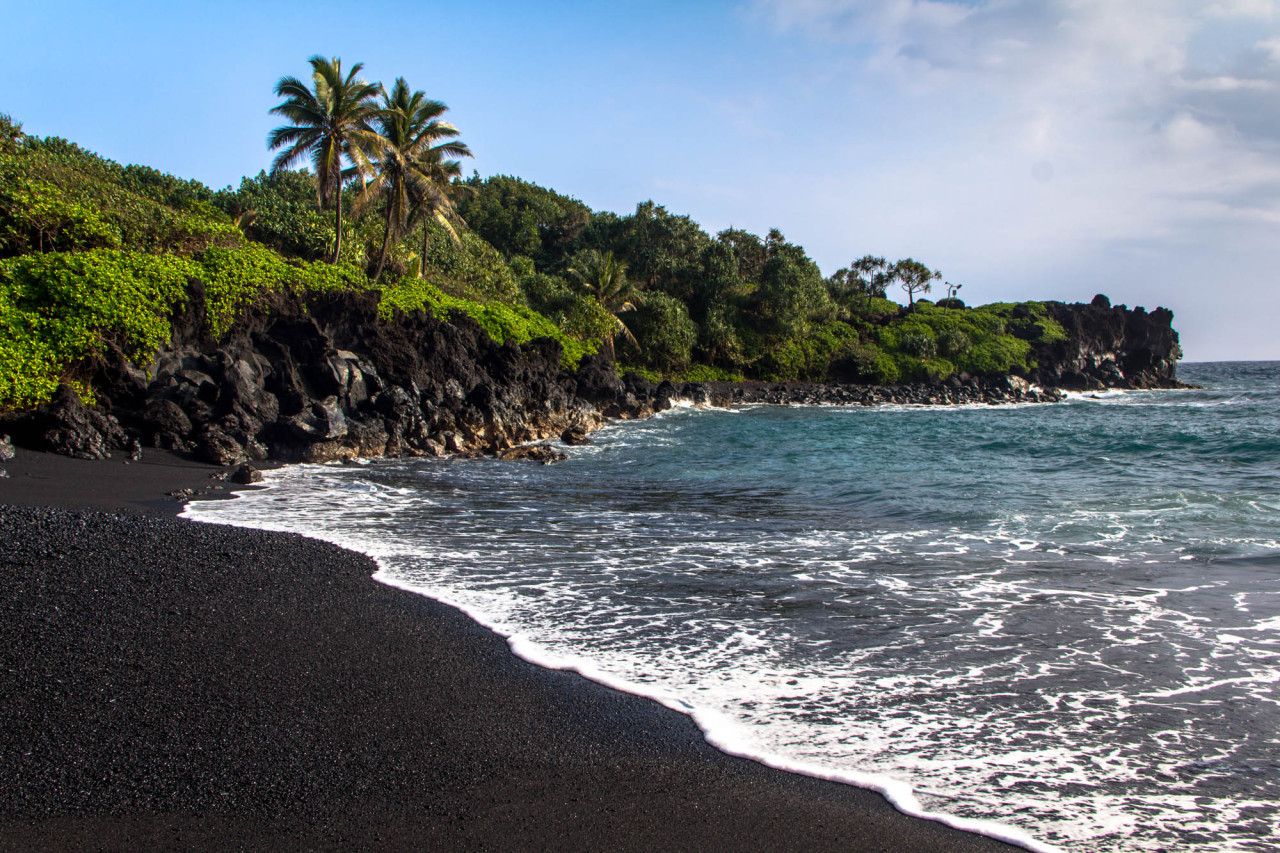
207, 687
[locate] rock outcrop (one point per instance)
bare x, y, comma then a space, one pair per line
1110, 347
330, 380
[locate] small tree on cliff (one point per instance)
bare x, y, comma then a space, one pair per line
330, 123
914, 277
866, 278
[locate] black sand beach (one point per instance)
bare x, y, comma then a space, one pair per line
169, 685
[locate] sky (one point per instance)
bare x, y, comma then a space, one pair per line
1027, 150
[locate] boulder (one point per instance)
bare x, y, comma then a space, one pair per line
216, 447
245, 475
575, 436
66, 426
543, 453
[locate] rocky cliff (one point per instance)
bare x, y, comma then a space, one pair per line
1110, 347
331, 380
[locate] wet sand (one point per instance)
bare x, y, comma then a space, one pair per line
169, 685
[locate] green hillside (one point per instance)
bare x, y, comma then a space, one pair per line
93, 252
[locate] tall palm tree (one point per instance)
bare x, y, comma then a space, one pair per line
414, 142
330, 121
604, 278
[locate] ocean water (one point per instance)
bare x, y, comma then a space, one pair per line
1056, 624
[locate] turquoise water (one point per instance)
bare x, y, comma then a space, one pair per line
1064, 619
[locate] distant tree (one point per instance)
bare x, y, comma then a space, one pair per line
914, 277
10, 134
791, 294
408, 159
662, 249
330, 122
664, 333
522, 219
748, 249
604, 278
866, 278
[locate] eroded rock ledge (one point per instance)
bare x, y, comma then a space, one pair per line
329, 380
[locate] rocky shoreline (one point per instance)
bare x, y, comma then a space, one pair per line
327, 379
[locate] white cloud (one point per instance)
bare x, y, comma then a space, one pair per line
1265, 9
1067, 132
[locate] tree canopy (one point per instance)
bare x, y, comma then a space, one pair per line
650, 288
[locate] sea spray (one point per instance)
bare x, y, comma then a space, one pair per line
1052, 620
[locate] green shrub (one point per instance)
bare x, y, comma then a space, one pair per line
646, 373
996, 355
577, 316
503, 322
954, 342
865, 362
469, 268
808, 357
705, 373
664, 332
150, 211
37, 216
280, 210
60, 308
235, 278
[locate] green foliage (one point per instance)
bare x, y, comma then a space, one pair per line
791, 295
37, 216
662, 250
165, 188
279, 209
235, 278
706, 373
519, 218
134, 202
749, 252
865, 362
60, 308
954, 342
503, 322
468, 268
808, 357
577, 316
664, 333
995, 355
934, 339
646, 373
1027, 320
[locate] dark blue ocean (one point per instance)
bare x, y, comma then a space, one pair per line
1060, 622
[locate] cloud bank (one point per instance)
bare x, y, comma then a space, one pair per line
1134, 143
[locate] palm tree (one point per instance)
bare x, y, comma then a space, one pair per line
436, 202
604, 278
330, 121
409, 160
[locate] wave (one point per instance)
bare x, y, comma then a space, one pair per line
960, 614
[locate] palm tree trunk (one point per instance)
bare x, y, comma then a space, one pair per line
337, 226
386, 244
426, 241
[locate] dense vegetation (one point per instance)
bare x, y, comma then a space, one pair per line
93, 253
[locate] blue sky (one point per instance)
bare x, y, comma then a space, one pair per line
1051, 149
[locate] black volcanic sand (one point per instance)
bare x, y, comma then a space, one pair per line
114, 485
169, 685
